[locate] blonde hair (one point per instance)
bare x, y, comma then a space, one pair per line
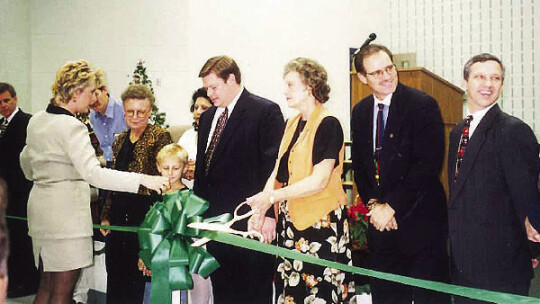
172, 151
73, 75
101, 79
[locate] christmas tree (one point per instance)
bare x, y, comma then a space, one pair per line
157, 118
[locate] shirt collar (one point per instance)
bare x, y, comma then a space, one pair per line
386, 101
109, 112
231, 106
57, 110
478, 115
10, 117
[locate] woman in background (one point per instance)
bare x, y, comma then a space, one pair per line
61, 162
306, 182
200, 102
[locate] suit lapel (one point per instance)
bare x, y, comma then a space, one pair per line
473, 147
394, 122
367, 124
455, 137
11, 126
233, 122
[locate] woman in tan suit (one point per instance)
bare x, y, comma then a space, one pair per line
61, 162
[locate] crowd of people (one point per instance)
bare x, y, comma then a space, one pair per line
241, 149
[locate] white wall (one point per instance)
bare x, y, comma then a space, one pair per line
445, 34
15, 48
264, 35
175, 38
112, 35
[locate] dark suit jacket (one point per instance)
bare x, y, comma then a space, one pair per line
11, 145
241, 164
490, 199
411, 159
244, 156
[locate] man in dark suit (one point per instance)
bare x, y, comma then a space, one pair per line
492, 170
397, 154
23, 276
237, 146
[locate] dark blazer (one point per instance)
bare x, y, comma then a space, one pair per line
490, 199
411, 159
241, 164
244, 156
11, 145
146, 148
23, 276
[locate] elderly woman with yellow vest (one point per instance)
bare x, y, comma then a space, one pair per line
306, 182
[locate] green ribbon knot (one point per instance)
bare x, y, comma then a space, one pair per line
165, 241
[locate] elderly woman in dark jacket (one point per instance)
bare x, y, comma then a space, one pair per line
134, 150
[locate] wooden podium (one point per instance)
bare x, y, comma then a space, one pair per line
448, 96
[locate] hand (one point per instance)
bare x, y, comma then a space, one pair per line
142, 267
260, 202
392, 225
381, 216
256, 222
156, 183
268, 229
190, 172
105, 231
532, 234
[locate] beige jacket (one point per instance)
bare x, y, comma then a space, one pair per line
60, 160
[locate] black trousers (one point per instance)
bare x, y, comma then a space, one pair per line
22, 272
125, 283
244, 276
429, 263
519, 288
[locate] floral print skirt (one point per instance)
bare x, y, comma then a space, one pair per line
299, 282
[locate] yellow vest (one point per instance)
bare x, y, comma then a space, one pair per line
306, 211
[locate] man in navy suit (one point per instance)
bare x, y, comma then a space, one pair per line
23, 276
238, 142
492, 186
397, 154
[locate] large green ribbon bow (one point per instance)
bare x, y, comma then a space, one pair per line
165, 242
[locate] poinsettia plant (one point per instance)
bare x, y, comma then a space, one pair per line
358, 222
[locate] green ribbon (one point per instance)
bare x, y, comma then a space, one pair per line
473, 293
165, 242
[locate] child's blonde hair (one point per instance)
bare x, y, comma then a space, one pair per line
172, 150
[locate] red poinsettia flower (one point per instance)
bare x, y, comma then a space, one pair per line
358, 220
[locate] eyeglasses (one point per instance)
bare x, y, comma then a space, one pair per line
138, 113
390, 69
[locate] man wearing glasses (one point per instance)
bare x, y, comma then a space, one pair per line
397, 155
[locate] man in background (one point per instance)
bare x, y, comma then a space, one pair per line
237, 146
106, 116
492, 174
23, 275
397, 155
